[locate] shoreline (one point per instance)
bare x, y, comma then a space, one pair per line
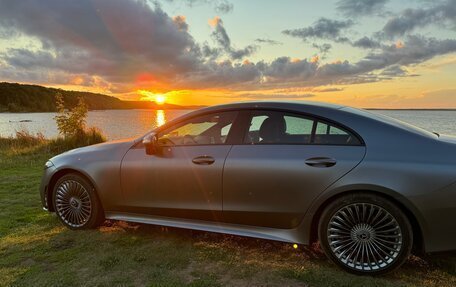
195, 108
41, 112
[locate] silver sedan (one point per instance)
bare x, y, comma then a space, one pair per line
367, 187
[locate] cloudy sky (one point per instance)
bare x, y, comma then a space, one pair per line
364, 53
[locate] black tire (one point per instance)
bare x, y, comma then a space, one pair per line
365, 234
76, 203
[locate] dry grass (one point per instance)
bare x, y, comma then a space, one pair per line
26, 143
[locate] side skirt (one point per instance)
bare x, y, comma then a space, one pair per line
284, 235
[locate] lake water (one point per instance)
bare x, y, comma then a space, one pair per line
117, 124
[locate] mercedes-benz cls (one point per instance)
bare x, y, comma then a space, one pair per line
367, 187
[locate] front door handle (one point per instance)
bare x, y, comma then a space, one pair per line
203, 160
320, 161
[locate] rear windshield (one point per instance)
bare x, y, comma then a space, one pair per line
391, 121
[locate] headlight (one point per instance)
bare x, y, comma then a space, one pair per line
48, 164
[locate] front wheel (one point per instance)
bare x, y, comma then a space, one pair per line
76, 203
365, 234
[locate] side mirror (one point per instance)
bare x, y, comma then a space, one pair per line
150, 143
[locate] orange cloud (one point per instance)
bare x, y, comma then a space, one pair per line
315, 59
399, 45
76, 80
214, 21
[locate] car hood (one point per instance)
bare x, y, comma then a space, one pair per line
105, 150
102, 146
448, 139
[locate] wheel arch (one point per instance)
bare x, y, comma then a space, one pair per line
62, 172
400, 201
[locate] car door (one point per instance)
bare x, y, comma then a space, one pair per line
285, 161
184, 177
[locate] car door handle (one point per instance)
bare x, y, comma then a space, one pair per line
320, 161
203, 160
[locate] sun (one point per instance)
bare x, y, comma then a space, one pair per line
160, 99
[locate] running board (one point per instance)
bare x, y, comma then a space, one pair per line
285, 235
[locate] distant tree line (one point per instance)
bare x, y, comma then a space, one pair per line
16, 97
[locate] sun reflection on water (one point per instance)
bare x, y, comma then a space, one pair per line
161, 119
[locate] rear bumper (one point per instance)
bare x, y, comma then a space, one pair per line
439, 211
44, 188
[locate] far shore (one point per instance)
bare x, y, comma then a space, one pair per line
175, 109
199, 107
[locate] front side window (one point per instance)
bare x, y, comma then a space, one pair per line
203, 130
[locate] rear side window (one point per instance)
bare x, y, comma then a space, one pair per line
330, 134
268, 127
272, 127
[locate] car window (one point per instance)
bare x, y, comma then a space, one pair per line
203, 130
225, 130
271, 127
268, 127
331, 135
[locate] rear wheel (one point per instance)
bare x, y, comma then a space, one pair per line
365, 234
76, 203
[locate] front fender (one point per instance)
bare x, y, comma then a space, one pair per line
100, 164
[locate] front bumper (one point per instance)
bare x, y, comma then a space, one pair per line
44, 188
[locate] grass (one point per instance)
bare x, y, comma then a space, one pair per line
36, 250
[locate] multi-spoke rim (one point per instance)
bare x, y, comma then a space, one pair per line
364, 237
73, 204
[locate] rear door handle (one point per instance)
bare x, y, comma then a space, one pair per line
203, 160
320, 161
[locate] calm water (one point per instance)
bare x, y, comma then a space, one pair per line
117, 124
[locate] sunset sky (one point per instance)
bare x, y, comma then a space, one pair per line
363, 53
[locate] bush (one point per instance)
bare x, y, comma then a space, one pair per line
70, 122
26, 143
23, 139
71, 125
85, 137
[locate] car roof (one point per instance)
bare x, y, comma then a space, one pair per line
295, 105
345, 115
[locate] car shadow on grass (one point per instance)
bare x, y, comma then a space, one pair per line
244, 257
129, 254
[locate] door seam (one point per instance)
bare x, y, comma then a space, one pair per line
223, 174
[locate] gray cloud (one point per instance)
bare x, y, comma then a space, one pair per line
284, 68
323, 48
360, 7
366, 43
223, 40
220, 6
394, 72
329, 90
103, 43
410, 19
180, 23
268, 41
222, 74
415, 49
223, 7
152, 48
274, 96
323, 28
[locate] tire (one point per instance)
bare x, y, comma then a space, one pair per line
365, 234
76, 203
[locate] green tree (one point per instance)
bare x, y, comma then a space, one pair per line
70, 122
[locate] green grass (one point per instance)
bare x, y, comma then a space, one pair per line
36, 250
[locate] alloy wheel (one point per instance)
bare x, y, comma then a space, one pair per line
73, 203
364, 237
